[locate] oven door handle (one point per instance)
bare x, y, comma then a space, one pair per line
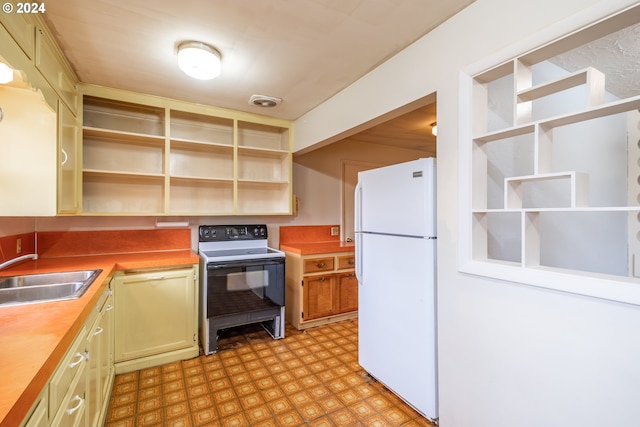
247, 263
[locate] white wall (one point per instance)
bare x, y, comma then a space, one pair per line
317, 176
509, 355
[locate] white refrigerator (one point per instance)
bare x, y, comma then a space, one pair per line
395, 231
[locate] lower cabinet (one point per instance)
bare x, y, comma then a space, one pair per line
347, 285
319, 296
73, 411
144, 318
156, 317
320, 289
100, 369
77, 393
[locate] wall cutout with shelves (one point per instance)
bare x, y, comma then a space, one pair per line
190, 159
549, 187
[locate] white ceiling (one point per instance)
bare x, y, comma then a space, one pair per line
303, 51
617, 55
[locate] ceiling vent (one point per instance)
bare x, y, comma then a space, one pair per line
264, 101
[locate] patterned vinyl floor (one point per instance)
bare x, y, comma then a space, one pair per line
309, 378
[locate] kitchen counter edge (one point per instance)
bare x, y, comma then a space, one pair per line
317, 248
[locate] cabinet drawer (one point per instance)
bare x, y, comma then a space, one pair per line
39, 416
73, 408
71, 365
346, 261
313, 265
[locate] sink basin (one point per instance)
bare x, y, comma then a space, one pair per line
32, 288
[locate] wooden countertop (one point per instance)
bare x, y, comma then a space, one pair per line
313, 248
35, 337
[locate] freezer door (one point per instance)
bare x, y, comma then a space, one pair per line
397, 318
397, 199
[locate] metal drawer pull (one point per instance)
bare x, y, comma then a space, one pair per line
98, 331
77, 362
78, 405
108, 308
321, 264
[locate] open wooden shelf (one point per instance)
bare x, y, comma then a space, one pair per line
188, 159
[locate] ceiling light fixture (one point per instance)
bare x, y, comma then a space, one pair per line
199, 60
6, 73
434, 128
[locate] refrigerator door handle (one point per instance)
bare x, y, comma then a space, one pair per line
359, 258
358, 230
358, 207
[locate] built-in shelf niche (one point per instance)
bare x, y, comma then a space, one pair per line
260, 197
574, 191
189, 196
514, 212
265, 137
125, 117
116, 193
115, 152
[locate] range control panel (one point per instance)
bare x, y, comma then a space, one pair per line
221, 233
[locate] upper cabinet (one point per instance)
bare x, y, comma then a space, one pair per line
38, 123
146, 155
27, 153
49, 61
29, 47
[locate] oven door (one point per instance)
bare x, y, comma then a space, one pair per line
243, 286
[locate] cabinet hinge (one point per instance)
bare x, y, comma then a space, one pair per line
194, 338
302, 315
302, 283
195, 277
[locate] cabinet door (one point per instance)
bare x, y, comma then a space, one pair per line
347, 292
49, 62
100, 363
107, 370
27, 154
21, 29
72, 413
319, 296
94, 355
68, 170
154, 313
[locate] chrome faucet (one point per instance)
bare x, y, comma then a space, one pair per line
18, 259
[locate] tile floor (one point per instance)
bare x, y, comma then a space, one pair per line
309, 378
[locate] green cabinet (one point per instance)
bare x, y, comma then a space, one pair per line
156, 317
